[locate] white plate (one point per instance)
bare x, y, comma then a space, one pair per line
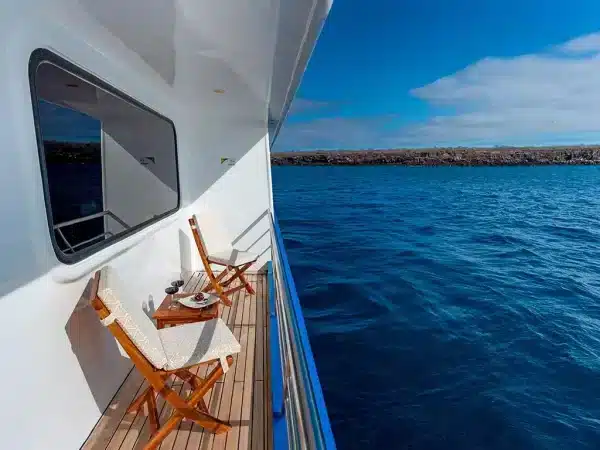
191, 303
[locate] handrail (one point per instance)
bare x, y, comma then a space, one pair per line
58, 228
308, 421
276, 366
90, 217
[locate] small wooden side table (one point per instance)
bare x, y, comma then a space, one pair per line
171, 313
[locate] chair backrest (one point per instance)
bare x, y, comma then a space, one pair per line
193, 221
194, 224
138, 327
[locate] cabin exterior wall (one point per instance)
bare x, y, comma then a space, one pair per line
132, 192
68, 365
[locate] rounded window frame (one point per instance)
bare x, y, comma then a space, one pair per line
41, 56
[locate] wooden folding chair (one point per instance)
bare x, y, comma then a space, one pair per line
232, 260
158, 354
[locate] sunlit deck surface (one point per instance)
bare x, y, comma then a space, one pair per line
241, 397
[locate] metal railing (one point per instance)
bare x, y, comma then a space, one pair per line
72, 247
300, 418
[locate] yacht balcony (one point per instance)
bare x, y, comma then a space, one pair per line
241, 397
271, 396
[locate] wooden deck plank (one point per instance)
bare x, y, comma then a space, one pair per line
252, 314
203, 279
232, 311
227, 397
124, 429
240, 371
226, 311
213, 409
259, 293
232, 438
239, 305
110, 421
196, 432
257, 427
259, 370
139, 432
180, 388
248, 299
185, 428
239, 313
246, 417
192, 281
239, 397
187, 274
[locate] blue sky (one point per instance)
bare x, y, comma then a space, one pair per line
420, 73
58, 123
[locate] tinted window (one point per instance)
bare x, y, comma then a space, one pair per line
109, 164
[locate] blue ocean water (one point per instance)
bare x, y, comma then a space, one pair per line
450, 308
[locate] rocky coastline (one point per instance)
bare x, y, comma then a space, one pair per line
498, 156
72, 152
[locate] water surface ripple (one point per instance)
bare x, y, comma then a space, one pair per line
450, 308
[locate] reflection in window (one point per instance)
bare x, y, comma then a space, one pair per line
110, 165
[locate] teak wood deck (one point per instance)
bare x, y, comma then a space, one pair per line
241, 397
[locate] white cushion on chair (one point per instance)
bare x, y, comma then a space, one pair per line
194, 343
232, 257
134, 321
169, 348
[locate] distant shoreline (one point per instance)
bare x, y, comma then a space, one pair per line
461, 156
72, 152
69, 152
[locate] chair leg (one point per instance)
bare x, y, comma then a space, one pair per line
223, 296
202, 406
232, 290
138, 402
147, 398
231, 279
239, 273
246, 283
209, 287
193, 408
163, 432
194, 380
153, 414
196, 399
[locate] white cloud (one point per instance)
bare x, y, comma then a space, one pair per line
583, 44
517, 97
536, 98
